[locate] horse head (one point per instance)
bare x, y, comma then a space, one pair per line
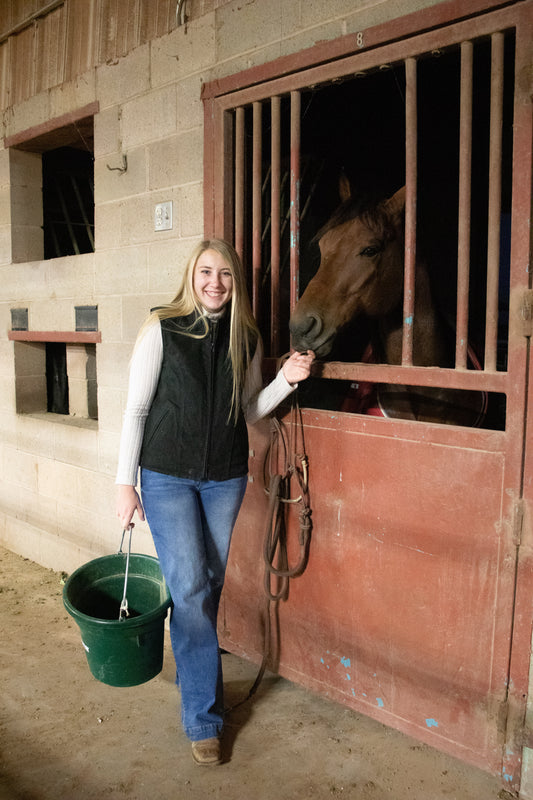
360, 272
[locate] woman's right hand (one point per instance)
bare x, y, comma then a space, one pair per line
128, 502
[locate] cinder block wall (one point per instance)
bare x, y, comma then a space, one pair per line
57, 489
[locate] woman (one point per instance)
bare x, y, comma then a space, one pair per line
195, 381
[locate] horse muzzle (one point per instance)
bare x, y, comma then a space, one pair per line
308, 333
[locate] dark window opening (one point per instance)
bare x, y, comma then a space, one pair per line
68, 202
56, 378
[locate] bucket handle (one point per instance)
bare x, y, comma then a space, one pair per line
123, 613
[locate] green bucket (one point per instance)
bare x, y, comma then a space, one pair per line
129, 651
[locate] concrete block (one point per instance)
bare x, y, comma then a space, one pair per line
71, 527
136, 221
183, 51
137, 309
177, 160
96, 490
7, 358
166, 264
290, 18
25, 168
107, 132
124, 78
137, 218
191, 219
5, 205
8, 422
57, 480
34, 436
78, 398
51, 314
78, 361
111, 184
110, 411
21, 469
113, 361
29, 358
244, 27
108, 446
8, 400
251, 58
9, 498
61, 555
5, 176
24, 283
27, 243
26, 206
107, 222
25, 540
123, 271
5, 245
71, 276
110, 318
31, 397
33, 111
81, 370
76, 445
37, 511
189, 103
150, 117
74, 94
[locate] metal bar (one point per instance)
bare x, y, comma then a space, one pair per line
295, 196
86, 222
477, 380
465, 175
239, 181
495, 200
410, 210
256, 207
275, 210
66, 217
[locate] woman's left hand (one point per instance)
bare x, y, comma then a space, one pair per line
298, 367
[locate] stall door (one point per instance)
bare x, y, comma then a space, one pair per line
414, 605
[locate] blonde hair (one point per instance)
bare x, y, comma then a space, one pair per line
244, 333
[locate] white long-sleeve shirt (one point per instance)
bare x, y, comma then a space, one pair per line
145, 369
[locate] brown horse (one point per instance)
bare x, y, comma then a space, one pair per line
361, 273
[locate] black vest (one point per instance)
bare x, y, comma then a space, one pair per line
190, 430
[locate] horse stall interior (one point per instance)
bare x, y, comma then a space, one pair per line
409, 601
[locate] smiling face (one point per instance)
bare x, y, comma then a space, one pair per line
212, 281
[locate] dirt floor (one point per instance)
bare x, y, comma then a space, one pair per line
63, 734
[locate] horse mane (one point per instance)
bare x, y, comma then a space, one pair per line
364, 206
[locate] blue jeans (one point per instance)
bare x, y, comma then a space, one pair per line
191, 523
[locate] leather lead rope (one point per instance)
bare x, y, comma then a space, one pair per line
275, 556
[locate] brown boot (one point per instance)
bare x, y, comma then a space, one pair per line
206, 752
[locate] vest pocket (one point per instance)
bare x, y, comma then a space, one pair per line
157, 426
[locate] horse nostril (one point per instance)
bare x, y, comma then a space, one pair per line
309, 325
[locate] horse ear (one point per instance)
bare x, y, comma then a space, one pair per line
345, 190
395, 205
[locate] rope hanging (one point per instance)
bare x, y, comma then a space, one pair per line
278, 489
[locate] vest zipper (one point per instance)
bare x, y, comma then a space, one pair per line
213, 333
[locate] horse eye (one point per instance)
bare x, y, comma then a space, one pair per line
371, 251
